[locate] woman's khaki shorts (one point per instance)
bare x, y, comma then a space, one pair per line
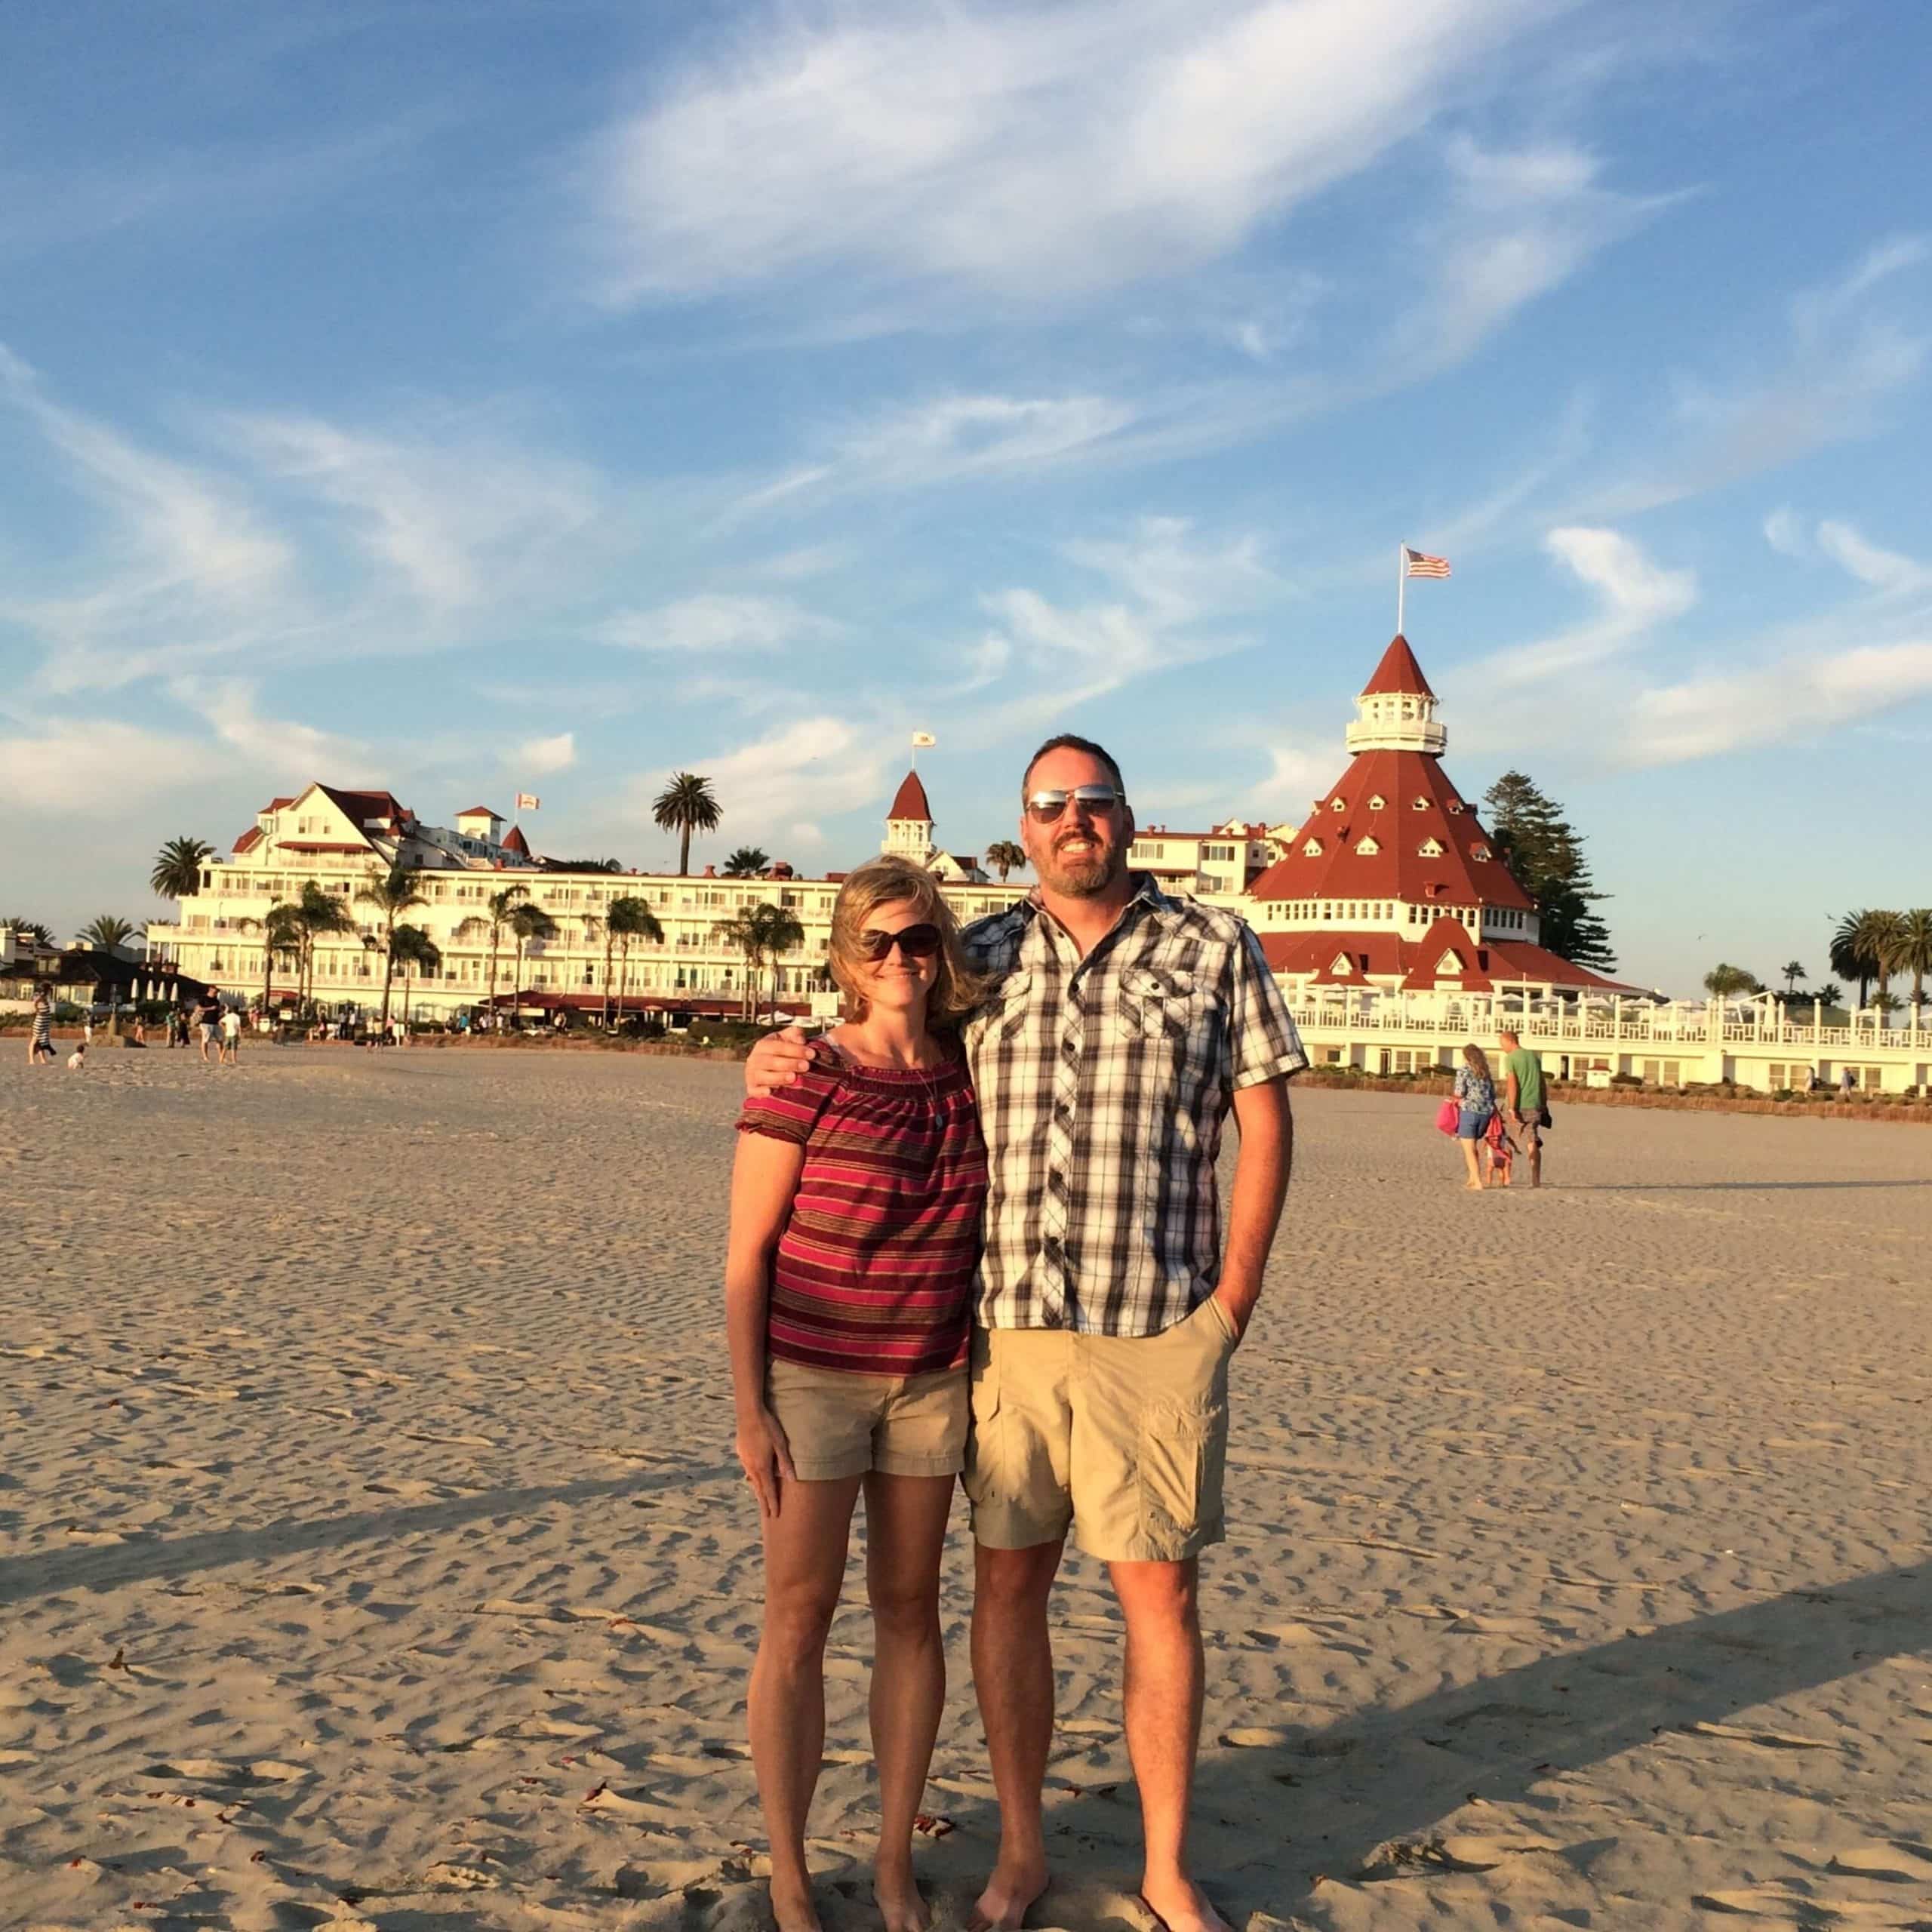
1121, 1437
841, 1424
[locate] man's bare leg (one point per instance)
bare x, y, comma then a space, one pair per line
1013, 1675
1164, 1671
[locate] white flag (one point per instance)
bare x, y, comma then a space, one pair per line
526, 801
921, 740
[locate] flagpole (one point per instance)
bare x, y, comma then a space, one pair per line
1401, 583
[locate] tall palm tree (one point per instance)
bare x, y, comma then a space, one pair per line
495, 916
1724, 982
177, 867
1879, 934
411, 948
392, 892
1855, 948
778, 932
1793, 971
1830, 994
1910, 951
528, 922
320, 913
1004, 857
280, 929
687, 804
106, 932
743, 932
626, 918
747, 862
35, 929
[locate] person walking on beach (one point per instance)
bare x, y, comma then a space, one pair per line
206, 1016
1475, 1096
1121, 1027
1523, 1099
856, 1201
40, 1037
231, 1036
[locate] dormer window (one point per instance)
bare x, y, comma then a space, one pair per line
1367, 847
1430, 848
1376, 802
1479, 851
1419, 803
1450, 962
1342, 964
1311, 849
1455, 805
1338, 805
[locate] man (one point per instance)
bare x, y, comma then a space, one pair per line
206, 1016
1122, 1026
1522, 1104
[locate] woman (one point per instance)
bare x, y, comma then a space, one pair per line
1475, 1094
40, 1041
855, 1231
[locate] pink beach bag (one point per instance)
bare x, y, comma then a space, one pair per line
1448, 1117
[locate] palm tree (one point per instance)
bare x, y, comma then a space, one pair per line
527, 922
747, 862
411, 946
626, 918
318, 912
500, 905
177, 867
779, 931
1722, 982
1793, 971
106, 932
1880, 933
1858, 946
280, 929
686, 804
744, 930
1823, 998
391, 894
35, 930
1004, 857
1911, 951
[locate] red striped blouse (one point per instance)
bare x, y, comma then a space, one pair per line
874, 1272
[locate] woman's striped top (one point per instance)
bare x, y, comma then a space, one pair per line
874, 1272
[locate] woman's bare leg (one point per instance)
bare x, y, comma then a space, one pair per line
1475, 1173
906, 1519
804, 1564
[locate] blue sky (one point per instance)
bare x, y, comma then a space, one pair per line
467, 398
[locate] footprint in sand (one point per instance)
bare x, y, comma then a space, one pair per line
1771, 1740
1454, 1854
1911, 1864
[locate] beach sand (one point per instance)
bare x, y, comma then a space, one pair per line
370, 1549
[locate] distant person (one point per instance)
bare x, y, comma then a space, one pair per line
141, 1031
231, 1037
77, 1058
1499, 1151
856, 1202
1523, 1099
1475, 1096
40, 1037
1847, 1081
207, 1016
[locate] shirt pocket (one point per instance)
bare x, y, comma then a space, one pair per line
1155, 1004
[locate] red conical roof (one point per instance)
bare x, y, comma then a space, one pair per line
1398, 674
514, 841
909, 801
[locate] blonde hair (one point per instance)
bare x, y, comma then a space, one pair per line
1476, 1060
890, 881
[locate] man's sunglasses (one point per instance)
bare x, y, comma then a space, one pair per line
1043, 807
919, 942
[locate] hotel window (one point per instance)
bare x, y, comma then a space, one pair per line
1419, 805
1338, 805
1376, 802
1367, 847
1312, 849
1479, 852
1455, 805
1430, 848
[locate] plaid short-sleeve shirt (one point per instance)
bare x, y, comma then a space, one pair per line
1103, 1084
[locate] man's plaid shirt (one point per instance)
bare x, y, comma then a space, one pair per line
1102, 1084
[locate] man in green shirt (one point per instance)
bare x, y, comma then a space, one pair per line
1522, 1104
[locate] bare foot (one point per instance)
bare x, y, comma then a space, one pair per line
1009, 1895
791, 1906
1472, 1187
900, 1907
1181, 1906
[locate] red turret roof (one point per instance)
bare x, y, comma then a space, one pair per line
1337, 959
479, 811
1398, 674
514, 841
909, 801
1326, 860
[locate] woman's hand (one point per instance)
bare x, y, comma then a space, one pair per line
767, 1456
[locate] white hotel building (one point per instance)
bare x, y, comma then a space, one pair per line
1388, 915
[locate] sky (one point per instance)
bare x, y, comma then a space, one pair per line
478, 398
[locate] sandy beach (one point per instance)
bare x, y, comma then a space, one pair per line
371, 1552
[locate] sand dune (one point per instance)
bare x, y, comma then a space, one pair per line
370, 1551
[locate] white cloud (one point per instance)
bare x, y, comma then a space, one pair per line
1637, 596
1784, 531
1798, 697
278, 746
1884, 570
716, 621
536, 756
94, 767
1020, 157
1299, 773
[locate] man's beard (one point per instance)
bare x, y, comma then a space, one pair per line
1085, 878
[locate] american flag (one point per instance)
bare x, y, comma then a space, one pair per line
1422, 565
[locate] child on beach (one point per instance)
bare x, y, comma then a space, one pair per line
1499, 1149
77, 1058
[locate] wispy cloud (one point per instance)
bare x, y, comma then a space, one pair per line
535, 758
1012, 158
93, 767
717, 621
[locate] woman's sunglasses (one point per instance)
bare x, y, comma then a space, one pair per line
1043, 807
919, 942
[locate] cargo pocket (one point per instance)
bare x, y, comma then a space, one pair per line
1182, 1450
1155, 1006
